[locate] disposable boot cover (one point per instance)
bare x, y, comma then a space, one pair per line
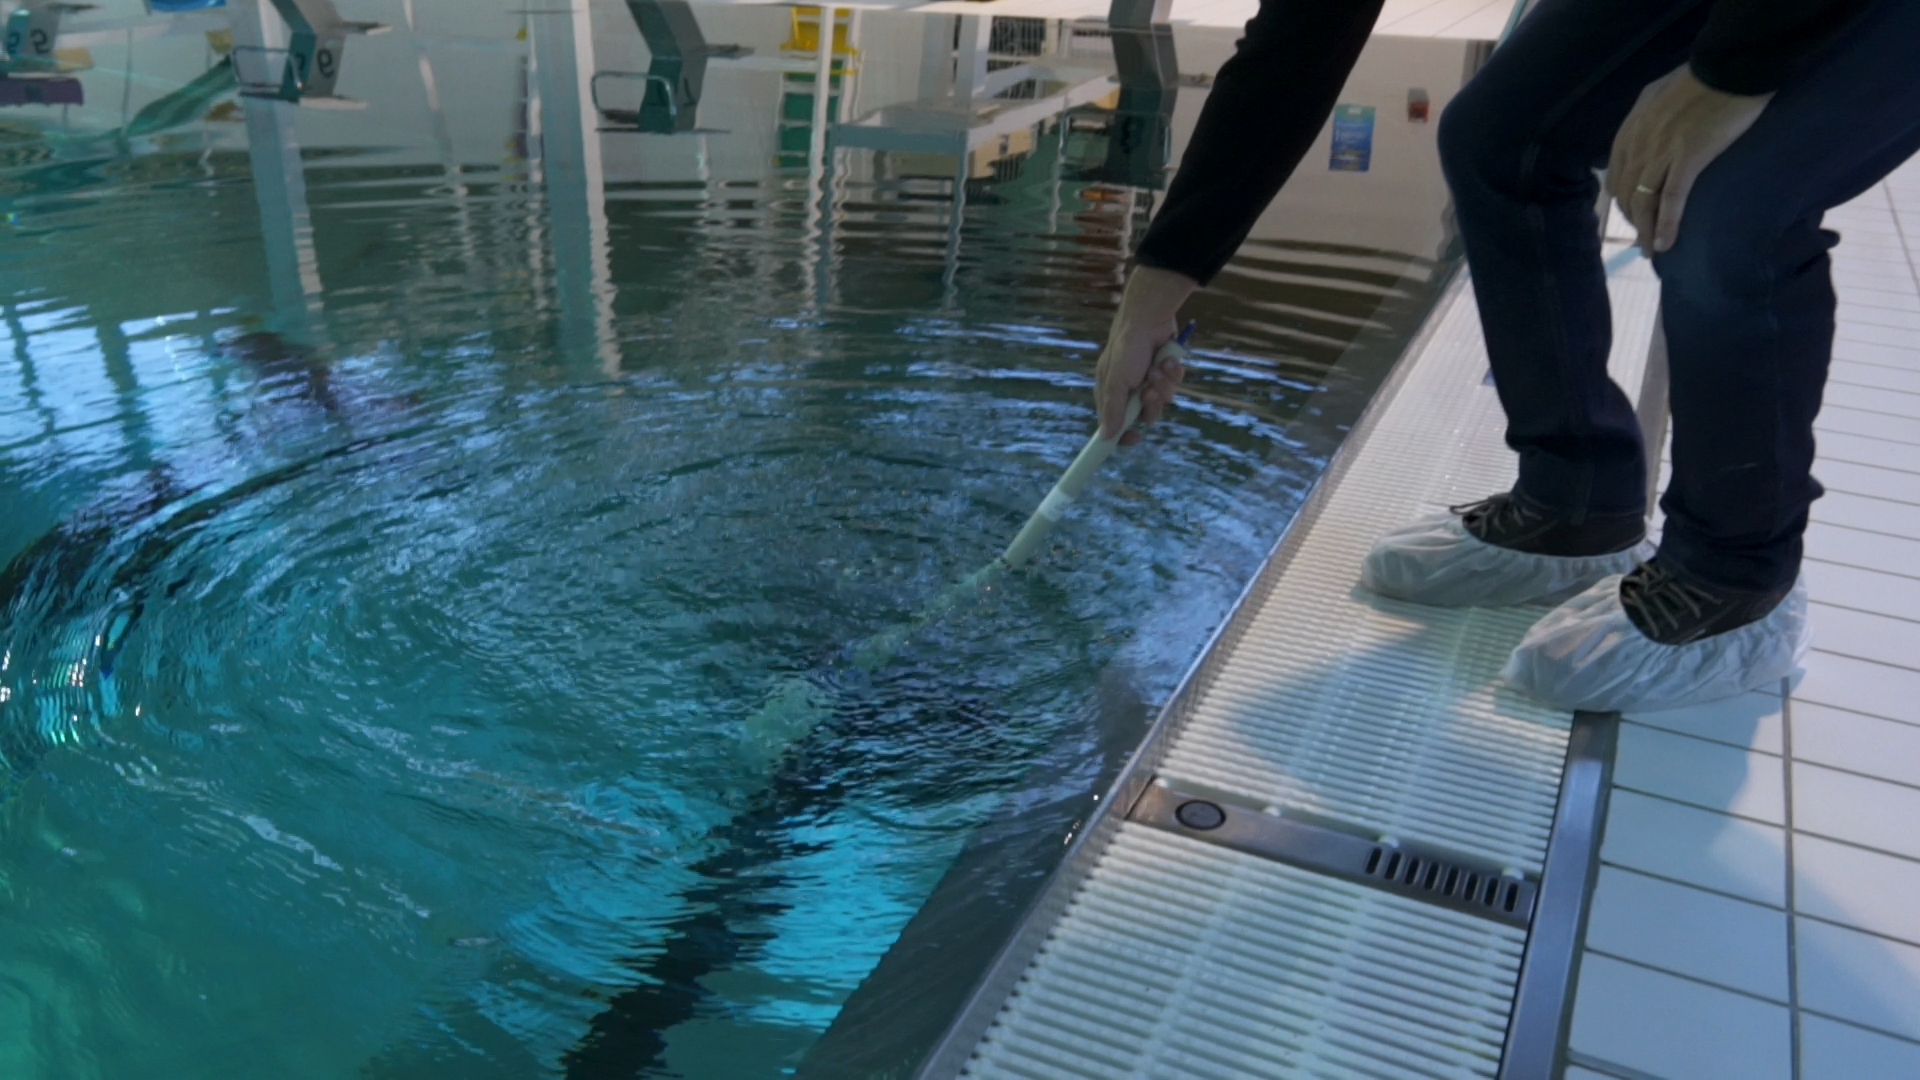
1586, 654
1435, 560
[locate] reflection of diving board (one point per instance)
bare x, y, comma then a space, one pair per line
307, 70
1132, 143
669, 92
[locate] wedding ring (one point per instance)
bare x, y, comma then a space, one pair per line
1644, 189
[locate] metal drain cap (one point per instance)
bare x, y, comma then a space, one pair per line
1200, 814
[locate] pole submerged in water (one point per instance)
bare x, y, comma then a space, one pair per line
794, 708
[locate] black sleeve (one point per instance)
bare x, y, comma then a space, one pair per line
1753, 46
1268, 104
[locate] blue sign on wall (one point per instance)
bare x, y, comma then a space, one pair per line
1352, 138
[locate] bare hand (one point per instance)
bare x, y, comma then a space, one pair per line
1677, 129
1144, 323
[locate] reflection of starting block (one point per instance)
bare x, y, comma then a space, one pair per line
1132, 142
32, 32
669, 92
307, 70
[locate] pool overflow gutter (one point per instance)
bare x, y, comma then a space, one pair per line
630, 1034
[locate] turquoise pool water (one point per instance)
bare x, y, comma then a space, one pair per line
406, 506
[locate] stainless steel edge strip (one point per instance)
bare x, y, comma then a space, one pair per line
1550, 969
970, 1025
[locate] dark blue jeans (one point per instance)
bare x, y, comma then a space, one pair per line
1746, 297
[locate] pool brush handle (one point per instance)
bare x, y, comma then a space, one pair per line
1080, 473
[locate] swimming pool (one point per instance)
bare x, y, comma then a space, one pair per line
406, 506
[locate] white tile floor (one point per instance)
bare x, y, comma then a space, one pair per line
1758, 911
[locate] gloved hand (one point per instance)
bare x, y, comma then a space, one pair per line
1144, 322
1676, 129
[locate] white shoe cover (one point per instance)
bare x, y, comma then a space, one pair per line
1435, 560
1586, 654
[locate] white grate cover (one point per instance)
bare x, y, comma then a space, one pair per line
1187, 960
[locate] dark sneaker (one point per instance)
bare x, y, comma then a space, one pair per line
1674, 610
1500, 552
1509, 521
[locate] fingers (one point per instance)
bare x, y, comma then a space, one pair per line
1163, 381
1127, 367
1673, 203
1644, 213
1113, 393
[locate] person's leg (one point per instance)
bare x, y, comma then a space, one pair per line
1520, 145
1749, 315
1748, 305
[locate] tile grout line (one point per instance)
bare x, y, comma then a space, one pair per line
1858, 566
1854, 928
1604, 1067
1861, 712
1913, 265
1867, 465
1703, 808
1697, 981
1903, 368
1629, 868
1856, 435
1644, 726
1876, 387
1882, 412
1793, 940
1856, 657
1841, 841
1831, 490
1818, 429
1844, 771
1858, 1026
1811, 601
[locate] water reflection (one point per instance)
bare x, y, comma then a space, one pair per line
415, 471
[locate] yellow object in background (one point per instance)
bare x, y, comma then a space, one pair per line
805, 34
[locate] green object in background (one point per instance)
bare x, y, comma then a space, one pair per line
186, 104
